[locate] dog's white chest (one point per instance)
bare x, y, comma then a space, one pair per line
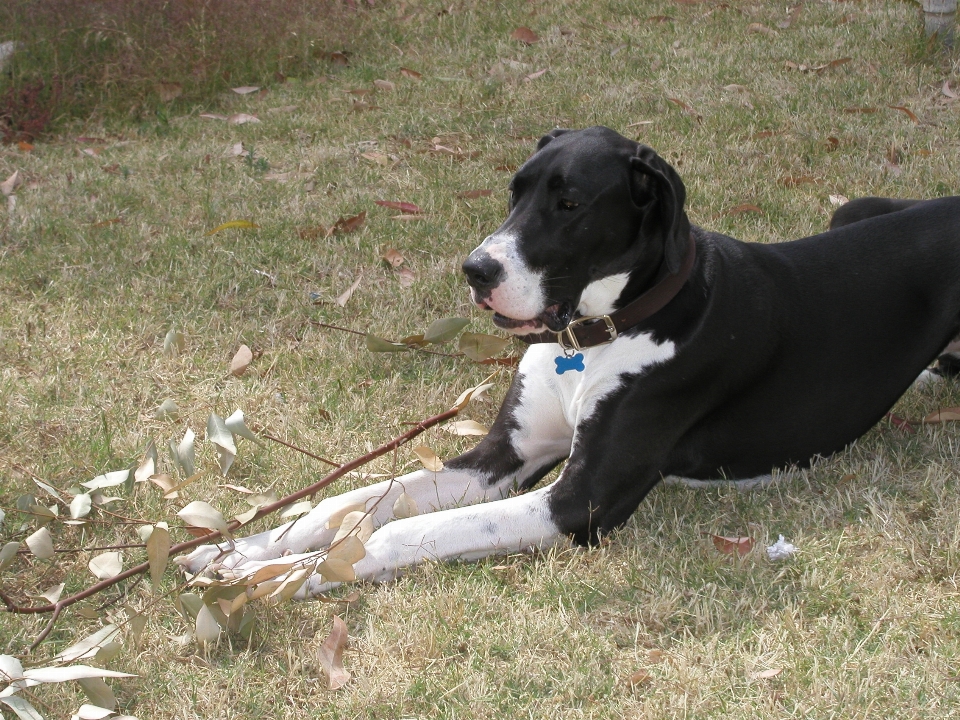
578, 392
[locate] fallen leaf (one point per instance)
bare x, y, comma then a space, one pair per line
524, 35
213, 116
949, 91
24, 146
947, 414
106, 565
9, 186
832, 143
344, 297
169, 91
838, 200
640, 677
534, 75
393, 257
241, 361
242, 224
794, 180
428, 458
246, 89
330, 655
339, 58
732, 545
474, 194
404, 207
384, 85
242, 119
767, 674
361, 92
174, 342
406, 276
685, 107
412, 74
761, 29
347, 225
906, 111
744, 208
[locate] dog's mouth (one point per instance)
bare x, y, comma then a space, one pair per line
555, 318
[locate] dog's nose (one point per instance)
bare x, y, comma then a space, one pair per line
482, 271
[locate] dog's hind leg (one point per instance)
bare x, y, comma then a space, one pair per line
867, 207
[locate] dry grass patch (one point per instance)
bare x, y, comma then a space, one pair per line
106, 250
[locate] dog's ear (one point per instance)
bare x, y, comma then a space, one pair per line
659, 191
555, 133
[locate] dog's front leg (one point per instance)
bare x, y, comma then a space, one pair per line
528, 438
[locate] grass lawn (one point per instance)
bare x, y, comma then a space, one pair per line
107, 249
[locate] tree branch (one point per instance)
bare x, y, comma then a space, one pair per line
265, 510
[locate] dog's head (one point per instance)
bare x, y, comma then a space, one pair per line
590, 213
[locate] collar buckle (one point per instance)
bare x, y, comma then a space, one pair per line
567, 338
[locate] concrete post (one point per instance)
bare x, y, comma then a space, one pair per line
940, 19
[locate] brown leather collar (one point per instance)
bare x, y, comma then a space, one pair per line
595, 330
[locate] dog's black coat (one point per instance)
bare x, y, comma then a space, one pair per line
784, 352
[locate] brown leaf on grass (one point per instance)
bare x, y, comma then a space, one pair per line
685, 107
361, 91
832, 143
9, 186
791, 18
246, 89
242, 119
384, 85
765, 134
900, 424
640, 677
474, 194
948, 414
949, 91
347, 225
241, 361
906, 111
404, 207
378, 158
524, 35
860, 110
106, 223
168, 91
838, 200
111, 169
24, 146
732, 545
767, 674
213, 116
92, 152
393, 257
339, 58
534, 75
313, 232
345, 296
761, 29
412, 74
406, 276
744, 208
794, 180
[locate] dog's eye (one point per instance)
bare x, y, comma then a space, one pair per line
567, 204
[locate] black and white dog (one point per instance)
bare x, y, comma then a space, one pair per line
657, 349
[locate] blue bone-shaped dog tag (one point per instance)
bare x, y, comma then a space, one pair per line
569, 363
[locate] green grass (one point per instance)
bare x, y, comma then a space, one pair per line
864, 621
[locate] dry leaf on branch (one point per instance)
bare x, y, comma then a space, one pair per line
330, 655
428, 458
